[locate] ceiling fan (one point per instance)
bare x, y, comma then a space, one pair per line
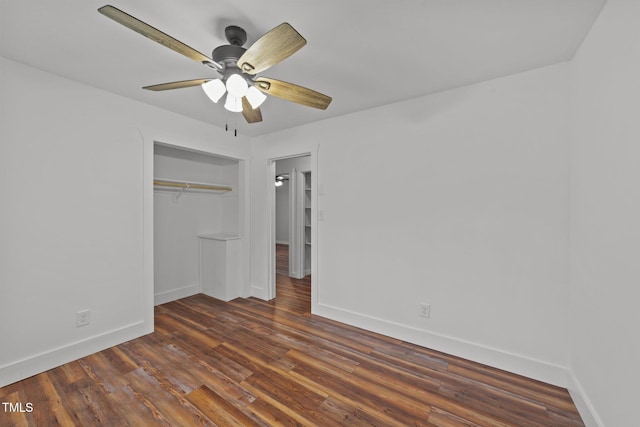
236, 67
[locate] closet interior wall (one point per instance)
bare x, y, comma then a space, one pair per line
179, 218
285, 166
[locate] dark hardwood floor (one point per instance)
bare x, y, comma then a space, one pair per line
291, 294
282, 260
250, 362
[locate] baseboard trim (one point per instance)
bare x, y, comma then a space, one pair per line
581, 400
282, 243
515, 363
42, 362
259, 292
174, 294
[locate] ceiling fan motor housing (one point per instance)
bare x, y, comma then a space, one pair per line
227, 54
235, 35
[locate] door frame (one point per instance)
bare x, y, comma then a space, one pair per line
296, 238
151, 137
271, 214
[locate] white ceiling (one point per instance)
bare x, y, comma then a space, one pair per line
363, 53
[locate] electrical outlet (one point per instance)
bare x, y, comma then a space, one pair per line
425, 310
83, 318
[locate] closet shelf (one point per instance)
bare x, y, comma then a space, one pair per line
190, 185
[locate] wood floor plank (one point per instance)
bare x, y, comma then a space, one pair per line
346, 414
152, 356
374, 398
442, 418
146, 410
289, 397
218, 408
270, 415
271, 363
168, 401
210, 358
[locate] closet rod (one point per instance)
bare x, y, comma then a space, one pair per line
190, 185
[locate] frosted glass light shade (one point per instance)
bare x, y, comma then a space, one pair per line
233, 104
237, 86
255, 97
214, 89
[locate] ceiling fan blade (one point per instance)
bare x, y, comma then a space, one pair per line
270, 49
176, 85
154, 34
293, 93
251, 115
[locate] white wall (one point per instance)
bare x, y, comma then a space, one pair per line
231, 201
282, 213
75, 235
605, 217
178, 221
302, 163
458, 200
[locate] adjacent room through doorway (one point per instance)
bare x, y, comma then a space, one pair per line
293, 241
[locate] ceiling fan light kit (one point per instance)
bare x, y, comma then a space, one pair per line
280, 179
255, 97
236, 85
214, 89
237, 67
233, 104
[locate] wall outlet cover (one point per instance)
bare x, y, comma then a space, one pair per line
83, 318
425, 310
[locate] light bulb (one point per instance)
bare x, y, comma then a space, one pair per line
214, 89
233, 104
255, 97
279, 183
236, 85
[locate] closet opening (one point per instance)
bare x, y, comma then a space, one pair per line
292, 243
197, 239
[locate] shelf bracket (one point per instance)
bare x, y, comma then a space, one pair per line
176, 196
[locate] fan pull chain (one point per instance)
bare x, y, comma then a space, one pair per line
235, 125
235, 129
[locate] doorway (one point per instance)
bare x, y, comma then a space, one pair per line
196, 215
292, 231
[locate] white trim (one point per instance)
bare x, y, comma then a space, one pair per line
278, 242
259, 292
174, 294
42, 362
583, 404
315, 206
146, 296
497, 358
152, 138
270, 292
295, 260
